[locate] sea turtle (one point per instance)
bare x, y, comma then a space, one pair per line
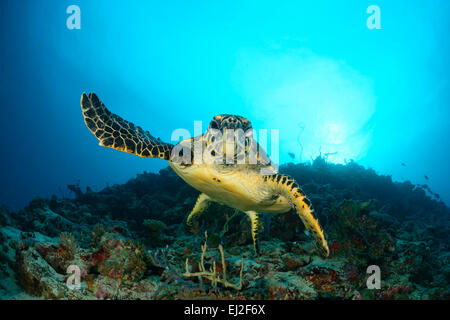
248, 185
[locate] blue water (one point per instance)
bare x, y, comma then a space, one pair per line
311, 69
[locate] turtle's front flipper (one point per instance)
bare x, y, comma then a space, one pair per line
253, 215
117, 133
200, 206
288, 188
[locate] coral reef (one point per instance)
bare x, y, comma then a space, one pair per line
130, 241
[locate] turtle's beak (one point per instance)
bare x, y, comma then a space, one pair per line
229, 144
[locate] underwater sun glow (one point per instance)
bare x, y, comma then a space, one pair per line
326, 100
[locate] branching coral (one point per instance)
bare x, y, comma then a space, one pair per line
213, 274
159, 258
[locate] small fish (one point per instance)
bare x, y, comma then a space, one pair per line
291, 155
403, 164
426, 177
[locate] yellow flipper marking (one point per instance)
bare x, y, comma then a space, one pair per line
202, 203
287, 187
253, 215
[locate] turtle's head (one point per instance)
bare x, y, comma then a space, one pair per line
228, 135
228, 121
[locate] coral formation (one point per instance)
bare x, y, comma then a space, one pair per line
131, 242
215, 269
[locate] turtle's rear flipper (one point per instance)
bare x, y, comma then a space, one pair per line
253, 215
200, 206
117, 133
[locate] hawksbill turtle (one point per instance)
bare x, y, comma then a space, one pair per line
243, 184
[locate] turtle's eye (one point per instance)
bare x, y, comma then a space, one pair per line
213, 125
